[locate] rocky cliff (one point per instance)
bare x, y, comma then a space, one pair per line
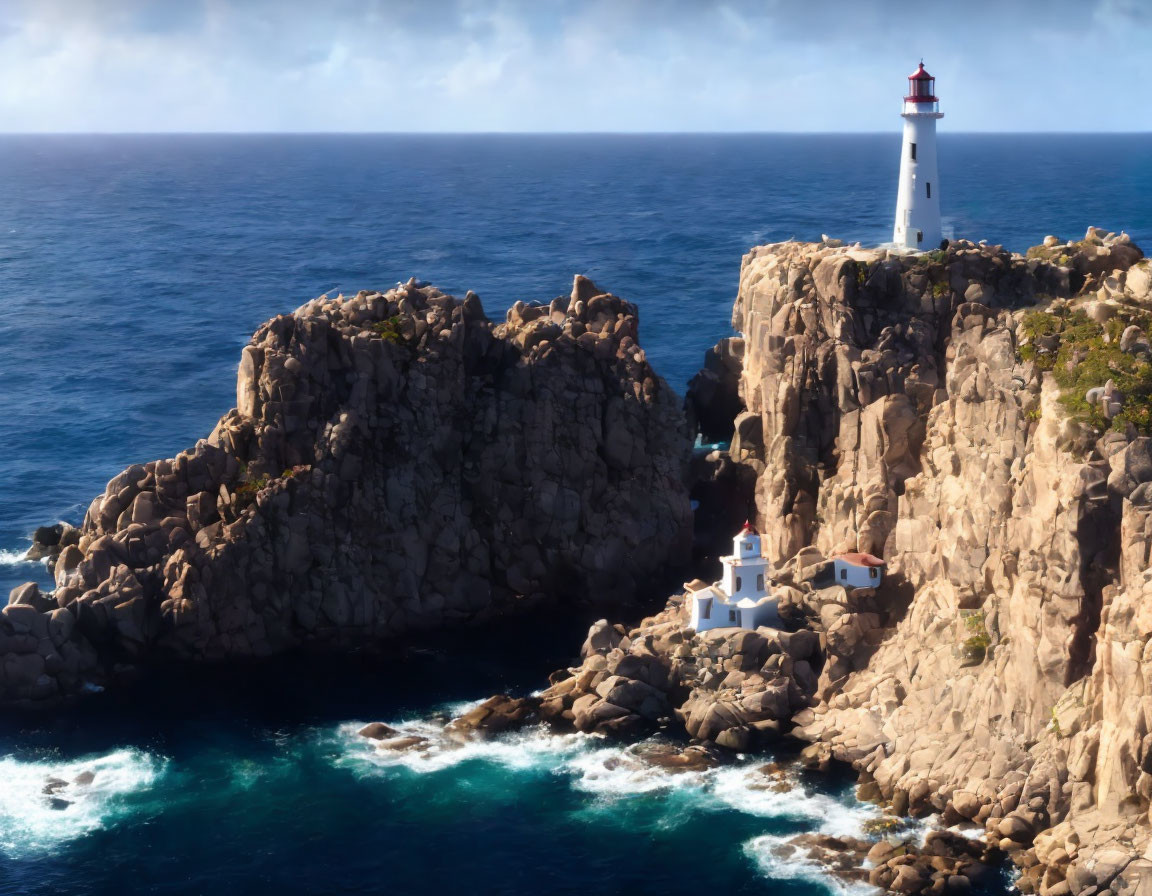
394, 462
981, 420
910, 407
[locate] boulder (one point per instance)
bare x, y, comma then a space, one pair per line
29, 594
494, 716
377, 731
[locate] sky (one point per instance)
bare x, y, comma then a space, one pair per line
580, 65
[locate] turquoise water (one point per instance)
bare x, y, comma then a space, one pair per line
262, 784
132, 270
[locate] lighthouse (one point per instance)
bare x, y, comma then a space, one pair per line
742, 598
918, 199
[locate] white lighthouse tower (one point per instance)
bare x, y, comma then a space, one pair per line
918, 200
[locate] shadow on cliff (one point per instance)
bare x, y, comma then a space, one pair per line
173, 707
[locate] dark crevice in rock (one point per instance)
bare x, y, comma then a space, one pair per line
1097, 532
713, 399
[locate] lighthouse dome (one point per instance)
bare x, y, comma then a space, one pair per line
921, 86
746, 544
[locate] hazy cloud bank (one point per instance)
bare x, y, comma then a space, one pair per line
600, 65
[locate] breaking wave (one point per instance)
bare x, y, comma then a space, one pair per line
43, 804
434, 752
12, 558
778, 860
611, 774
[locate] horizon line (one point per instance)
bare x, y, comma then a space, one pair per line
496, 133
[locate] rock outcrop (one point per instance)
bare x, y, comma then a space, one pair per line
899, 417
1001, 676
728, 687
395, 462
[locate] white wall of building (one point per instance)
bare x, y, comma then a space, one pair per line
746, 578
709, 609
745, 571
918, 196
765, 613
852, 576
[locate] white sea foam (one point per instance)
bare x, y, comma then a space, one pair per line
523, 750
619, 772
612, 774
779, 860
11, 558
745, 789
86, 795
967, 831
608, 771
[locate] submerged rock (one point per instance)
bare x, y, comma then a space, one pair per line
402, 744
494, 716
377, 731
675, 758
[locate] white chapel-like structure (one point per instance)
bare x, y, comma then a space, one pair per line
740, 599
918, 198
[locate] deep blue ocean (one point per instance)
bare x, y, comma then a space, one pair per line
133, 269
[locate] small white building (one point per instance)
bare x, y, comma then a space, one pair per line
740, 599
858, 570
918, 198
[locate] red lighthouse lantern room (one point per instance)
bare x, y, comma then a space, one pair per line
921, 86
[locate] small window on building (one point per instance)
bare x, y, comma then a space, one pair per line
912, 146
928, 184
843, 573
706, 609
919, 236
747, 545
731, 615
738, 586
760, 582
874, 572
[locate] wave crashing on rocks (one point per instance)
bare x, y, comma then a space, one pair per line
43, 803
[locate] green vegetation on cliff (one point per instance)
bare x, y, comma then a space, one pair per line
1083, 354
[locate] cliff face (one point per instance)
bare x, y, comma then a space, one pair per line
891, 411
394, 462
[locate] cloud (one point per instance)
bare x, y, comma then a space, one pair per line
450, 65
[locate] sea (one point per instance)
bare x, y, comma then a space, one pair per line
132, 271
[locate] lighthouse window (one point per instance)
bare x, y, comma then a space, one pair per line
760, 583
737, 583
928, 184
843, 573
731, 615
912, 146
919, 236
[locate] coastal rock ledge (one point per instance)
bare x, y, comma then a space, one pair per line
395, 462
982, 420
